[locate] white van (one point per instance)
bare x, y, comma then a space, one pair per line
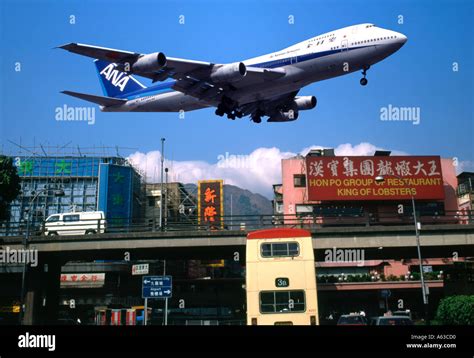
80, 223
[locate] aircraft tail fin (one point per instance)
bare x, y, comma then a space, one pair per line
114, 82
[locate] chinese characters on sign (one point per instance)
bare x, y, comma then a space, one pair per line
82, 280
353, 178
140, 269
211, 203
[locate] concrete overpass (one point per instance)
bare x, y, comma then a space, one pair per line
391, 242
377, 241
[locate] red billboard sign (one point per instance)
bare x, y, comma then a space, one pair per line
211, 203
353, 178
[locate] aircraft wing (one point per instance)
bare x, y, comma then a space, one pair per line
101, 53
171, 67
204, 80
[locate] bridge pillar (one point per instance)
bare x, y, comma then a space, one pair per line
32, 300
42, 294
52, 283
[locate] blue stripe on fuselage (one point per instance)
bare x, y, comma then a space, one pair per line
167, 86
301, 58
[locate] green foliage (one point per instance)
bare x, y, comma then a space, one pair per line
416, 276
456, 310
9, 185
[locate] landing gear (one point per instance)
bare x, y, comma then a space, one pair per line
229, 107
221, 110
363, 80
257, 116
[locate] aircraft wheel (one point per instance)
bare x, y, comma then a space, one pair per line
363, 81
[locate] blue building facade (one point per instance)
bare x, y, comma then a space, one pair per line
109, 184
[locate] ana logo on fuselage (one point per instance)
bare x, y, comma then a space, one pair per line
118, 79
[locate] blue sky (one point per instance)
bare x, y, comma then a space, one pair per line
419, 75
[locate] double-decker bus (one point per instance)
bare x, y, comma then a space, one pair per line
281, 278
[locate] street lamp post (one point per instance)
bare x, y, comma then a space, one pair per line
379, 179
161, 186
57, 192
166, 200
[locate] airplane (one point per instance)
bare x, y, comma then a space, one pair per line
267, 85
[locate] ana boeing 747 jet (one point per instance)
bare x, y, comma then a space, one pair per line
267, 85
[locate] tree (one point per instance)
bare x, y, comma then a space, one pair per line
9, 185
456, 310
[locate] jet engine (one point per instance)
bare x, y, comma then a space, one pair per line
149, 63
281, 116
232, 72
305, 102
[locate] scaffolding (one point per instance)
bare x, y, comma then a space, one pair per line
75, 170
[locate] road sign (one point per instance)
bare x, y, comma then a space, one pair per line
385, 293
141, 269
157, 287
427, 269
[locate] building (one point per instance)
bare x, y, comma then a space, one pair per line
465, 191
337, 190
109, 184
180, 204
322, 189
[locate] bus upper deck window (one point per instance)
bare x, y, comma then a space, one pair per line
280, 249
293, 249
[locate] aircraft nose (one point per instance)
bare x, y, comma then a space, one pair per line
399, 38
402, 38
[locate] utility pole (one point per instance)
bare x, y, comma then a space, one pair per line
424, 292
161, 186
166, 199
231, 217
423, 286
166, 299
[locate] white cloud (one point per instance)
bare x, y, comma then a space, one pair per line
256, 172
361, 149
465, 166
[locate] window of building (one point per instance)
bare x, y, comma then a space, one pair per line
299, 180
151, 201
279, 207
327, 210
282, 301
425, 209
280, 249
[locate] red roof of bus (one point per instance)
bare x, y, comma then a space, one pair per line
278, 233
